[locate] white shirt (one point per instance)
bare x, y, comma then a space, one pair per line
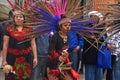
115, 39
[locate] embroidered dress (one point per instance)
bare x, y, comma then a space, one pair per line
19, 55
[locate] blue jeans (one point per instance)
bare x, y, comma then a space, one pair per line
116, 70
38, 73
74, 59
93, 73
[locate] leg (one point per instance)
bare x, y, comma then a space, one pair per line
89, 72
74, 59
109, 74
116, 70
98, 73
38, 73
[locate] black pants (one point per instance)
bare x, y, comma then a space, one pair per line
109, 75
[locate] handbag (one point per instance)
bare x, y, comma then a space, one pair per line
104, 57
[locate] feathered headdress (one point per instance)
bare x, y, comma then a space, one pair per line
47, 15
44, 15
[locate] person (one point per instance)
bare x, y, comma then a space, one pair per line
1, 40
3, 25
75, 43
58, 54
113, 44
89, 56
16, 54
42, 42
108, 24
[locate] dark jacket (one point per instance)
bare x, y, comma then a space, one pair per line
3, 26
89, 53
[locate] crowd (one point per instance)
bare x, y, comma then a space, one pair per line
56, 55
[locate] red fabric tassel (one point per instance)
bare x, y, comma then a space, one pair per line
67, 60
75, 74
53, 56
55, 72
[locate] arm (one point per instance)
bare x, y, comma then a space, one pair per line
5, 46
81, 42
73, 42
33, 46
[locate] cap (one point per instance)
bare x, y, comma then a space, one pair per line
95, 13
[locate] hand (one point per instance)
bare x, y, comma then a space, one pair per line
76, 49
112, 47
4, 62
35, 62
64, 56
62, 59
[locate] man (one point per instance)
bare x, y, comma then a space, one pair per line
39, 72
89, 56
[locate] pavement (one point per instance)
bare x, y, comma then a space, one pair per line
3, 78
1, 75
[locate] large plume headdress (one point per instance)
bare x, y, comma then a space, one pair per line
47, 14
43, 15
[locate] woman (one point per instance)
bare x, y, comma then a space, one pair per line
58, 53
16, 54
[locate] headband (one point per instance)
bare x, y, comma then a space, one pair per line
64, 20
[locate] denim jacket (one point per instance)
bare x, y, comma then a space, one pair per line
42, 45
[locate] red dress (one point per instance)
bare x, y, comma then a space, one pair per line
19, 55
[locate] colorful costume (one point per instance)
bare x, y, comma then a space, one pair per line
56, 48
19, 55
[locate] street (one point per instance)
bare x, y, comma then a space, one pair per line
2, 76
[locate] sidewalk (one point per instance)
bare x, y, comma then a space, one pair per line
1, 75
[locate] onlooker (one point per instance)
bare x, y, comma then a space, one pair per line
42, 42
114, 45
89, 58
109, 24
3, 25
75, 43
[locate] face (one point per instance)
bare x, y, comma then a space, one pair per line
109, 19
19, 19
94, 17
65, 27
